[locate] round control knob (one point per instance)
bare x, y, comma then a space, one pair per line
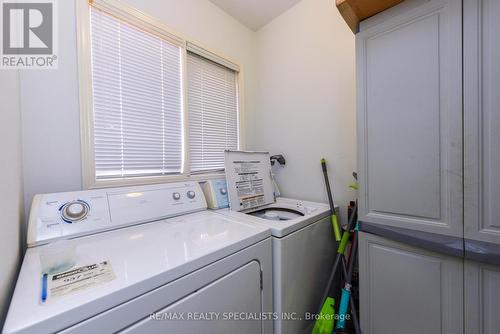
191, 194
223, 191
176, 196
75, 211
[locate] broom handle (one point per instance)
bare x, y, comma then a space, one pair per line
335, 224
340, 254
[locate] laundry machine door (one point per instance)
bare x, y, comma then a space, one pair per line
212, 309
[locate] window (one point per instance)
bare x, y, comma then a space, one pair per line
154, 107
213, 113
137, 100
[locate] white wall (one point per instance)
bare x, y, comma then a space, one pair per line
50, 118
11, 185
50, 109
306, 99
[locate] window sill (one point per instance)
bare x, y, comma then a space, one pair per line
135, 181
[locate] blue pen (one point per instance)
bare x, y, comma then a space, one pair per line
44, 287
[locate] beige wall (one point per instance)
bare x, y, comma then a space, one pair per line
305, 99
10, 185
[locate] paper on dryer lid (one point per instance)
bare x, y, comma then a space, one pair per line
249, 182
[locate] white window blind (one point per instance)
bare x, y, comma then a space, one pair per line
137, 100
213, 113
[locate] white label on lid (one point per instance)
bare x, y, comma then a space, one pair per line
249, 182
81, 278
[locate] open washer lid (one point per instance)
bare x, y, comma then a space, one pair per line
249, 180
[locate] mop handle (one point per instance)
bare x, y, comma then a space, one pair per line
343, 308
335, 224
346, 291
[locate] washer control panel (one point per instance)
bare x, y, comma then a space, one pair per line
72, 214
215, 192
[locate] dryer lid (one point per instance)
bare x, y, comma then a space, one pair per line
249, 181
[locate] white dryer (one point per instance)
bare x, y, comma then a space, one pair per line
106, 261
303, 242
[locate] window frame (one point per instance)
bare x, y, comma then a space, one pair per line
144, 21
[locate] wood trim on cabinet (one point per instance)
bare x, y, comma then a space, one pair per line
354, 11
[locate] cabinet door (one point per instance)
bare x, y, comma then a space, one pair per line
408, 290
409, 86
482, 120
482, 298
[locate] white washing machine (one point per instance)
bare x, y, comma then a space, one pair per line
106, 261
304, 246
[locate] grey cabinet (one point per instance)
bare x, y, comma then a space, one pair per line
408, 290
482, 120
429, 161
482, 298
409, 86
481, 165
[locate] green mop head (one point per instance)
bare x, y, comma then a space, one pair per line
325, 323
